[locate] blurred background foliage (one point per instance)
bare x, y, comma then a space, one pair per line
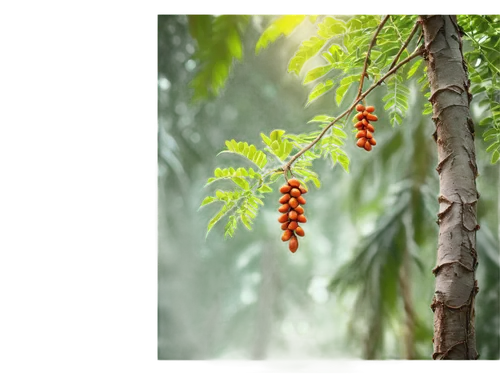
360, 285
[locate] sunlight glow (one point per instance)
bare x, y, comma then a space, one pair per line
163, 83
246, 297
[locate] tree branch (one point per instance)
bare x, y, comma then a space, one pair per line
286, 167
372, 43
413, 31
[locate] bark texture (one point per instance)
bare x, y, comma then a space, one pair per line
456, 285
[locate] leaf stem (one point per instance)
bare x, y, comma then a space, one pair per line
417, 52
403, 47
372, 43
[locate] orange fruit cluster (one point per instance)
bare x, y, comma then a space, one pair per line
292, 212
365, 129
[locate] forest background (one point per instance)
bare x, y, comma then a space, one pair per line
247, 297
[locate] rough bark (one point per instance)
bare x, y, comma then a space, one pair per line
456, 285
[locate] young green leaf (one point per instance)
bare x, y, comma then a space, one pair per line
315, 181
265, 189
320, 89
307, 49
495, 156
339, 133
207, 200
316, 73
343, 161
282, 26
333, 156
246, 221
321, 118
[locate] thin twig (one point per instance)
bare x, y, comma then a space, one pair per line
372, 43
286, 167
403, 47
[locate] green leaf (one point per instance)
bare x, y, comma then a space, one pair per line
493, 146
333, 155
331, 27
344, 86
490, 137
344, 162
495, 156
216, 218
234, 44
486, 121
281, 26
246, 221
288, 147
321, 118
307, 49
276, 135
339, 133
320, 89
314, 180
490, 131
264, 189
241, 182
340, 93
248, 151
266, 140
396, 100
207, 200
255, 200
316, 73
414, 68
328, 57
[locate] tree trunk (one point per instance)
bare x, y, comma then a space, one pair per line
456, 286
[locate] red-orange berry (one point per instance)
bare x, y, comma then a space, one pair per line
301, 219
370, 109
284, 199
372, 141
368, 146
361, 142
360, 108
293, 182
293, 215
284, 208
285, 225
285, 189
299, 231
371, 117
293, 202
286, 235
301, 200
299, 210
370, 128
361, 134
293, 225
294, 244
295, 192
283, 218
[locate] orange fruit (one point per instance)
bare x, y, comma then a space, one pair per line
299, 231
361, 142
284, 208
361, 134
286, 235
283, 218
285, 198
293, 244
292, 215
293, 182
285, 189
295, 192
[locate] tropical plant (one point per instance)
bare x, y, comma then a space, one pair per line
381, 52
